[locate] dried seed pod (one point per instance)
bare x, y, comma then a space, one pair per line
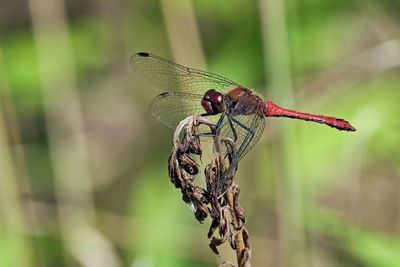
188, 164
220, 198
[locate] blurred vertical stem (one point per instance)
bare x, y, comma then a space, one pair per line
13, 228
239, 241
183, 32
67, 141
292, 245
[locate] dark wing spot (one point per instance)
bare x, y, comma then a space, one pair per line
143, 54
165, 94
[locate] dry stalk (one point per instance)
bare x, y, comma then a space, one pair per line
220, 200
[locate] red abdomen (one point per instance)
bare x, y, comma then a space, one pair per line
272, 110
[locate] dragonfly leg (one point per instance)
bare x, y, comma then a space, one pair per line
205, 123
243, 146
233, 129
211, 124
247, 139
207, 134
240, 124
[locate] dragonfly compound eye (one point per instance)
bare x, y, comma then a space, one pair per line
207, 106
217, 102
213, 102
216, 98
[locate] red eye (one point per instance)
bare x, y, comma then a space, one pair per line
207, 106
216, 98
209, 93
213, 102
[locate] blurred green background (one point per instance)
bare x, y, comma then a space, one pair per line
83, 166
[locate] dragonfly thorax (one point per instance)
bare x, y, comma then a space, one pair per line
213, 102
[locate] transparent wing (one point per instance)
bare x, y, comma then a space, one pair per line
244, 130
169, 76
170, 108
244, 123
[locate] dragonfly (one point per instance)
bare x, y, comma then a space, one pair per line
236, 111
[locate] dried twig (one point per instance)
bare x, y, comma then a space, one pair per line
220, 200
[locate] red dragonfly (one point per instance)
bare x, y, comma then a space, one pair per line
237, 112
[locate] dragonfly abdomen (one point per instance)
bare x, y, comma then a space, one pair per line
273, 110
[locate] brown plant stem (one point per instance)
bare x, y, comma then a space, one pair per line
230, 197
221, 197
239, 242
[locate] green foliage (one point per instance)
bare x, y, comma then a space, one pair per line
291, 182
20, 65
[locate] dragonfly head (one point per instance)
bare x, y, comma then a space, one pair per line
213, 102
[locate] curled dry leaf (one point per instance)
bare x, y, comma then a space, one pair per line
220, 198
